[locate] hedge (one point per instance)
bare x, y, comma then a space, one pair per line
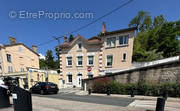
141, 88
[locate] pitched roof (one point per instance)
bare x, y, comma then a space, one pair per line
9, 45
89, 41
95, 39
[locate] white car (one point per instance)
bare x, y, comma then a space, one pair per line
2, 84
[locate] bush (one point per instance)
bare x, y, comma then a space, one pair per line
100, 85
142, 88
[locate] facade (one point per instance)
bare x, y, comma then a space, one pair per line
16, 57
84, 58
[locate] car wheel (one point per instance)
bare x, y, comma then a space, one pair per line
56, 92
41, 92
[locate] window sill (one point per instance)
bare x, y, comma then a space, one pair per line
79, 50
90, 65
124, 45
108, 66
79, 66
110, 47
69, 83
123, 60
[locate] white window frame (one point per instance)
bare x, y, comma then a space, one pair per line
20, 49
78, 46
22, 69
9, 58
10, 69
107, 42
69, 73
124, 36
67, 60
107, 60
124, 60
77, 60
88, 60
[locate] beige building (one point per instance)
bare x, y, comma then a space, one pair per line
85, 58
16, 57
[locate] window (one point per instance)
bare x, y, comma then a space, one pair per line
69, 78
69, 61
79, 60
79, 46
124, 57
124, 40
8, 57
111, 42
22, 69
90, 60
20, 49
109, 60
10, 69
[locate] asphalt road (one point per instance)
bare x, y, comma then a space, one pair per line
107, 100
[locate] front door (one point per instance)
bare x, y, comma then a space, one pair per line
79, 80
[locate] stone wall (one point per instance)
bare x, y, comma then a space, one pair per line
165, 72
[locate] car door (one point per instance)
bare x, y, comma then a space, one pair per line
37, 87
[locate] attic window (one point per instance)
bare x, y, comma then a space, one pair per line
80, 46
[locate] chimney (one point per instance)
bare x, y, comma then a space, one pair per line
12, 40
34, 48
65, 39
103, 28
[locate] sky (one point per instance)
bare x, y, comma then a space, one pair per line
35, 22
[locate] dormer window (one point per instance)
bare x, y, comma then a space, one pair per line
80, 46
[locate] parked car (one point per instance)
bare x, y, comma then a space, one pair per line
44, 88
2, 84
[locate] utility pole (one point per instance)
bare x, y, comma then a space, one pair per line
58, 49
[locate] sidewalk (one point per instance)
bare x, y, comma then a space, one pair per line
149, 102
137, 97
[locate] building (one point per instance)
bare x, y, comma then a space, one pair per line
85, 58
15, 58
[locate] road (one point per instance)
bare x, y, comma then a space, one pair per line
90, 99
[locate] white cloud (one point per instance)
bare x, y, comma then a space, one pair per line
41, 56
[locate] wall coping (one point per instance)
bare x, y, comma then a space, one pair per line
152, 64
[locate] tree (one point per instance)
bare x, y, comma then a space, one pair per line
42, 64
167, 39
156, 39
158, 21
143, 18
50, 60
71, 38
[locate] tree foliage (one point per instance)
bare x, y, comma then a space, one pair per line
155, 39
49, 62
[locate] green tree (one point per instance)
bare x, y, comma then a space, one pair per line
42, 64
158, 21
167, 39
50, 60
141, 20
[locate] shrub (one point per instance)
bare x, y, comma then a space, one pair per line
142, 88
100, 85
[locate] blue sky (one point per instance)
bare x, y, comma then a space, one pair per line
35, 31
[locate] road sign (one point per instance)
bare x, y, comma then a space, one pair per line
89, 68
